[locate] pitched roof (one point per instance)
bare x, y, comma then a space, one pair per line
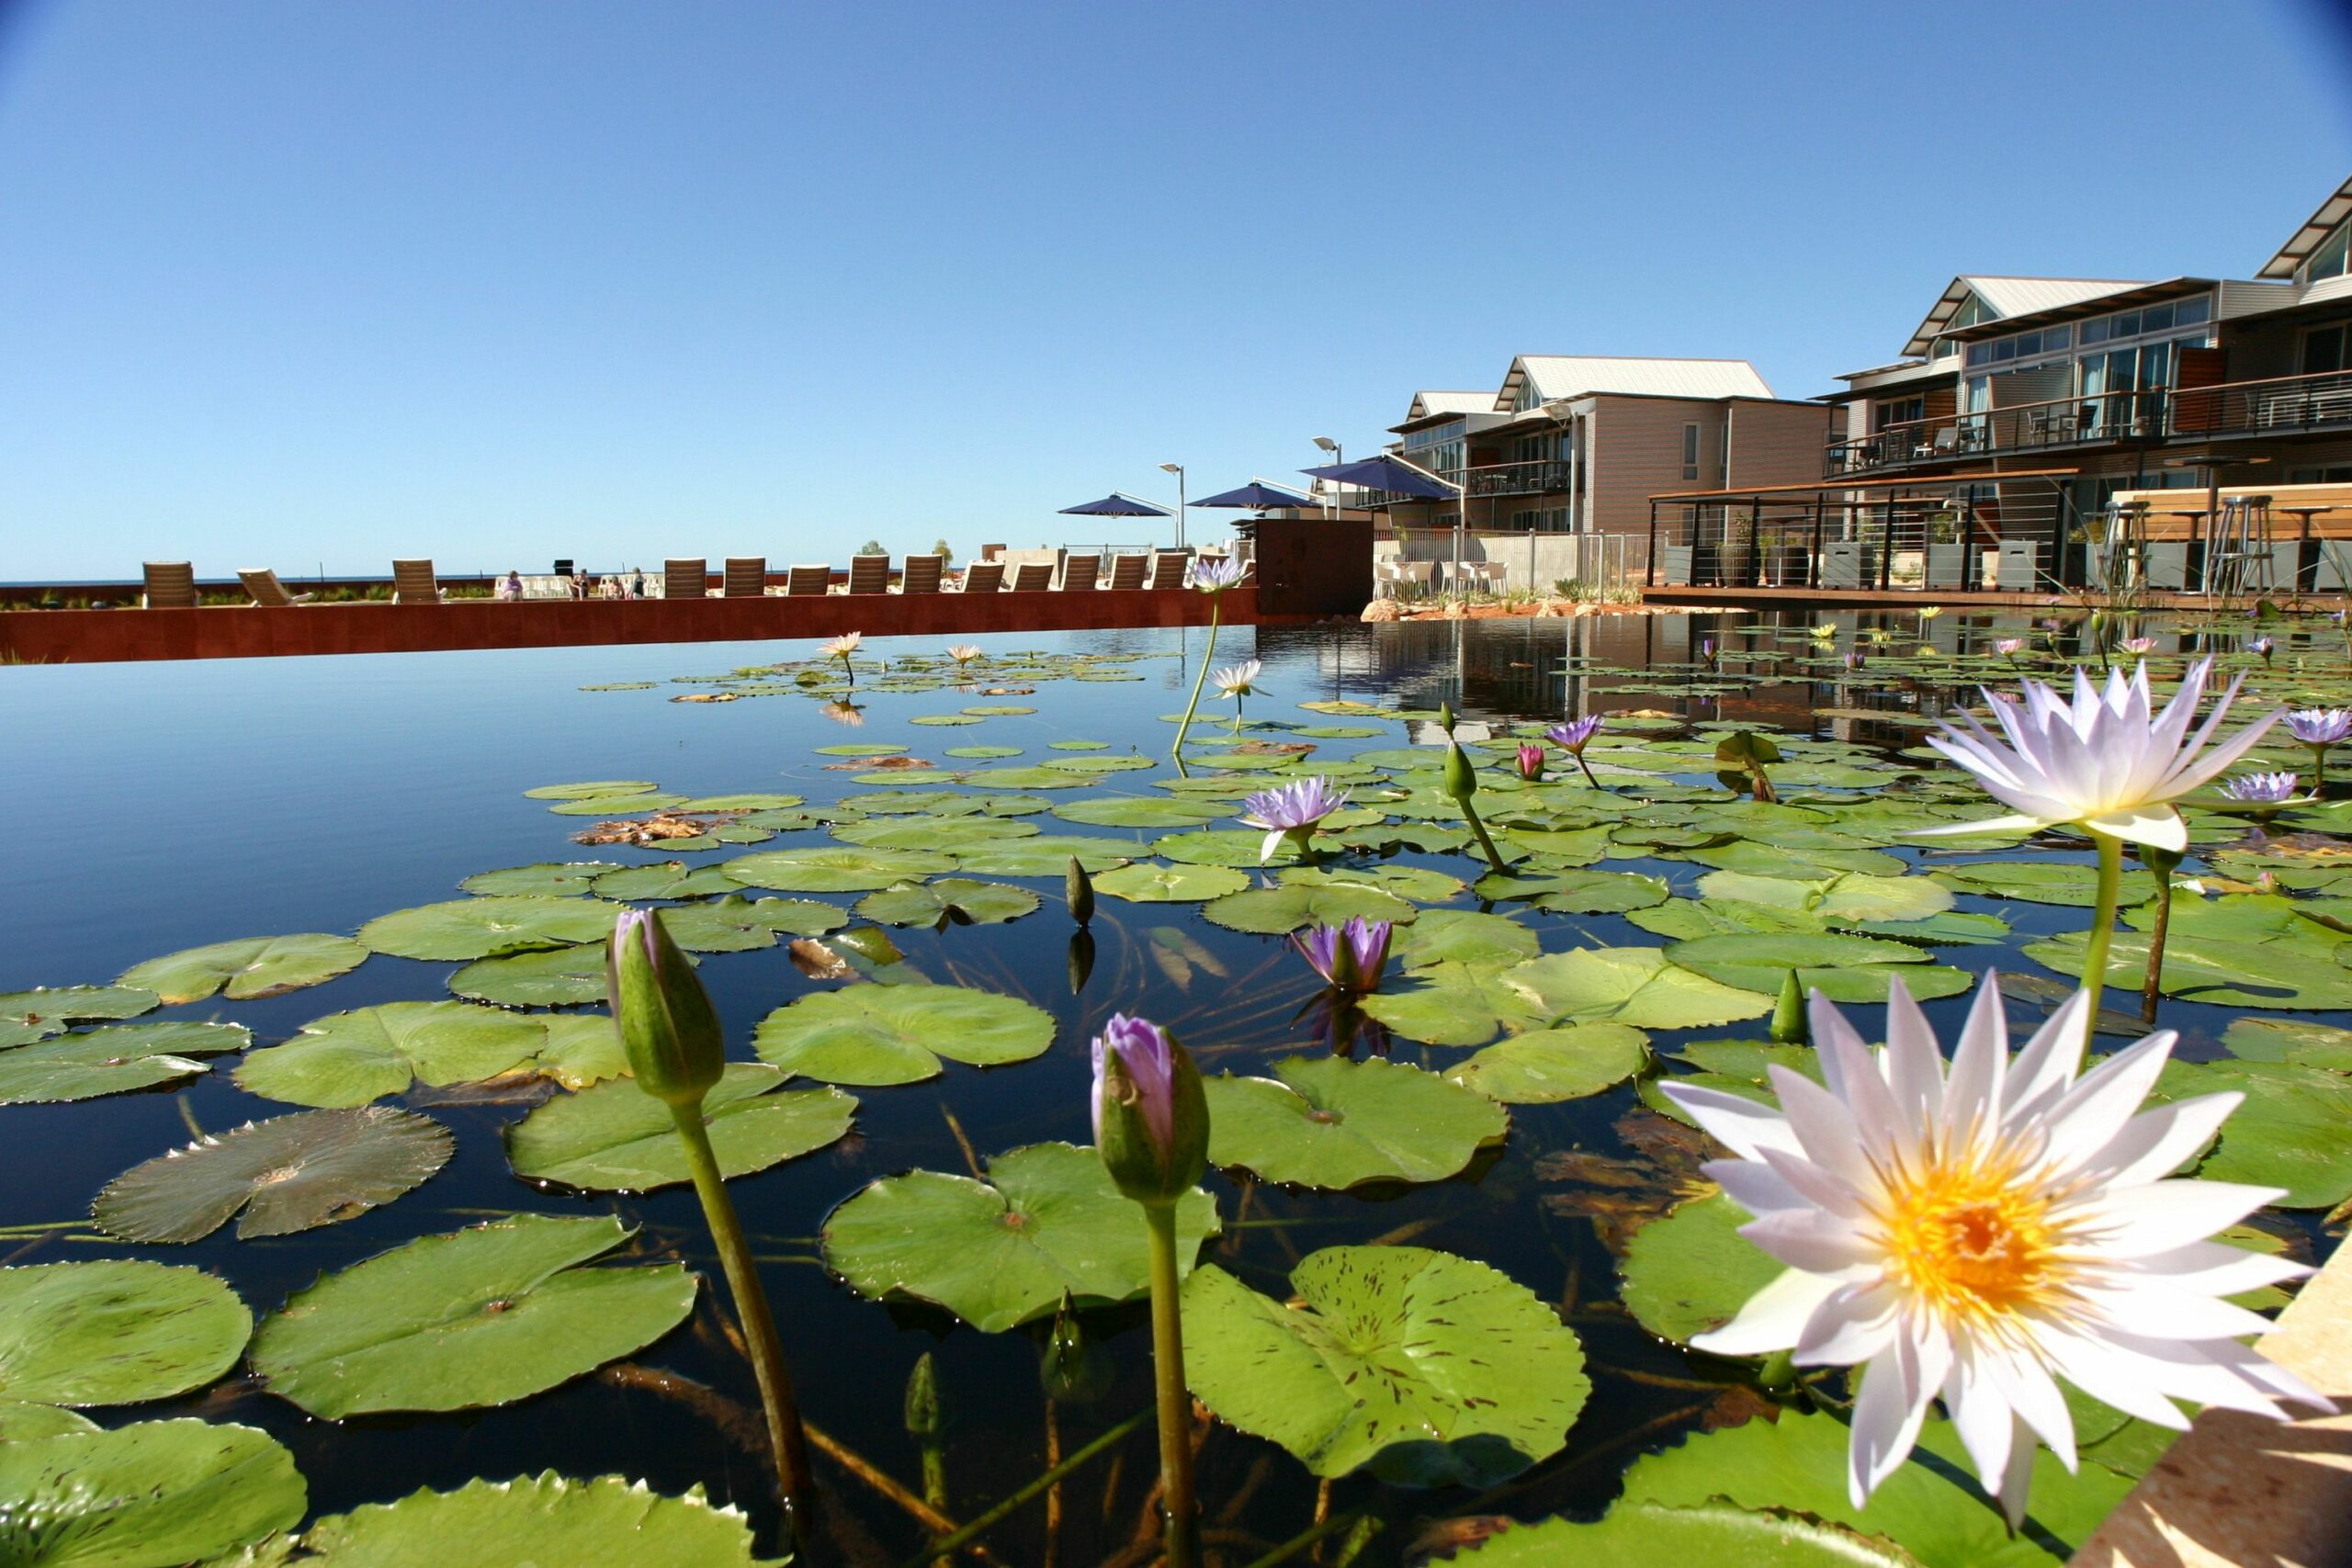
2317, 227
1429, 402
2008, 297
1558, 376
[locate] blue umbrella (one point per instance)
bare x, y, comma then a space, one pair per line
1400, 478
1257, 493
1117, 506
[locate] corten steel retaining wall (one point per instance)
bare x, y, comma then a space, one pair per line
90, 637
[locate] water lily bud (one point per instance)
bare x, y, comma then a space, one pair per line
1445, 718
1151, 1120
1079, 888
1075, 1369
668, 1028
923, 1416
1788, 1026
1081, 959
1460, 778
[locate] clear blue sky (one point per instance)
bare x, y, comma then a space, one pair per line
287, 281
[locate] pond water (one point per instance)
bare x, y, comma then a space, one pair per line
167, 807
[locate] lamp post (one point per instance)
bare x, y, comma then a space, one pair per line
1339, 455
1178, 469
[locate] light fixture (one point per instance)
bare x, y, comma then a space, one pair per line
1326, 444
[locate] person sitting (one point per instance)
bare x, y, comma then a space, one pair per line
510, 587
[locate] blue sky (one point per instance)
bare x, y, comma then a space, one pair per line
306, 284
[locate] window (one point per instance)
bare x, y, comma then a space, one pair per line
2323, 348
2330, 259
2333, 474
1690, 451
1899, 411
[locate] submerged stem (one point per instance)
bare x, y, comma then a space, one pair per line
2110, 892
1208, 655
1494, 856
1175, 1402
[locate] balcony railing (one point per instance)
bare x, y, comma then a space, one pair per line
1545, 475
2281, 405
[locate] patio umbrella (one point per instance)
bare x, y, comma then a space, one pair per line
1394, 474
1117, 506
1257, 494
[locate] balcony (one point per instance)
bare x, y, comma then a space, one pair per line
1546, 476
2285, 405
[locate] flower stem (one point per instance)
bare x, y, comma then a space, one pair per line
2152, 988
2110, 892
1494, 857
785, 1435
1208, 656
1175, 1401
1588, 771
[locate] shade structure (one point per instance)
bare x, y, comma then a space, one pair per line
1392, 474
1257, 494
1117, 506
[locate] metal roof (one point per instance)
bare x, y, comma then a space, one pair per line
1558, 376
1429, 402
2008, 297
2121, 298
2317, 227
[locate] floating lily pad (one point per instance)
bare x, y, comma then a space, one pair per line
597, 789
1691, 1272
350, 1058
1049, 856
672, 879
894, 1034
551, 879
1636, 986
2301, 976
2042, 882
486, 927
942, 835
1137, 811
998, 1253
628, 804
1546, 1065
1146, 882
114, 1333
2303, 1044
1465, 936
152, 1494
485, 1315
1846, 896
1643, 1535
1330, 1122
1274, 910
1456, 1003
288, 1174
2289, 1134
28, 1016
982, 754
1234, 847
735, 924
835, 868
755, 800
615, 1138
951, 900
606, 1523
554, 976
1427, 1369
1576, 892
242, 970
115, 1059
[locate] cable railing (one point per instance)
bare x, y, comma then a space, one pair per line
2018, 536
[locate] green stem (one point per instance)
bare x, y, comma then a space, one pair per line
1175, 1402
785, 1435
1308, 1537
2110, 891
950, 1544
2152, 987
1588, 771
1494, 856
1208, 655
2319, 769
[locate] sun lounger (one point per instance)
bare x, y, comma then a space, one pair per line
869, 574
262, 585
922, 575
1127, 571
414, 583
1167, 568
984, 576
1032, 577
808, 581
1081, 572
685, 577
747, 577
171, 585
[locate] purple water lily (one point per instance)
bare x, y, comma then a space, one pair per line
1349, 957
2009, 647
1854, 660
1530, 761
1215, 574
1151, 1065
2262, 647
1572, 735
2261, 789
2320, 726
1291, 811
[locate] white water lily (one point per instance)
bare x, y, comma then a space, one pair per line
2100, 760
1978, 1231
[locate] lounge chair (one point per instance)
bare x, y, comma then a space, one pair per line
747, 577
262, 585
1081, 572
686, 577
1167, 568
808, 581
171, 585
414, 583
922, 575
984, 576
869, 574
1033, 577
1127, 571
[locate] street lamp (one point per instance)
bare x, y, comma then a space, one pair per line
1339, 455
1178, 469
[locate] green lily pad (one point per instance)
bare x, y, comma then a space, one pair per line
1456, 1003
1546, 1065
1137, 811
1845, 896
553, 976
735, 924
942, 835
486, 927
21, 1422
755, 800
484, 1315
350, 1058
288, 1174
2289, 1134
672, 879
1691, 1272
1146, 882
1049, 856
1427, 1369
152, 1495
951, 900
1271, 911
1328, 1122
1636, 986
1576, 892
28, 1016
617, 805
894, 1034
1643, 1535
597, 789
982, 754
550, 880
1417, 883
2299, 976
2290, 1039
1465, 936
835, 868
1234, 847
998, 1253
114, 1059
606, 1523
2042, 882
618, 1138
114, 1333
245, 969
1688, 919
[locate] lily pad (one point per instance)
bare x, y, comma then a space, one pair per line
1137, 811
894, 1034
1636, 986
1546, 1065
288, 1174
350, 1058
835, 868
596, 789
2289, 1134
1643, 1535
1328, 1122
617, 1138
486, 927
114, 1059
152, 1495
1574, 892
116, 1332
672, 879
2301, 976
1845, 896
551, 879
485, 1315
1271, 911
735, 924
2042, 882
28, 1016
1049, 856
554, 976
1456, 1003
1148, 883
1427, 1369
1691, 1272
998, 1253
951, 900
1465, 936
242, 970
606, 1523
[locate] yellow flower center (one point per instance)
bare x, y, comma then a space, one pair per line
1972, 1242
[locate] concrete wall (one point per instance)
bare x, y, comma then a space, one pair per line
1535, 561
